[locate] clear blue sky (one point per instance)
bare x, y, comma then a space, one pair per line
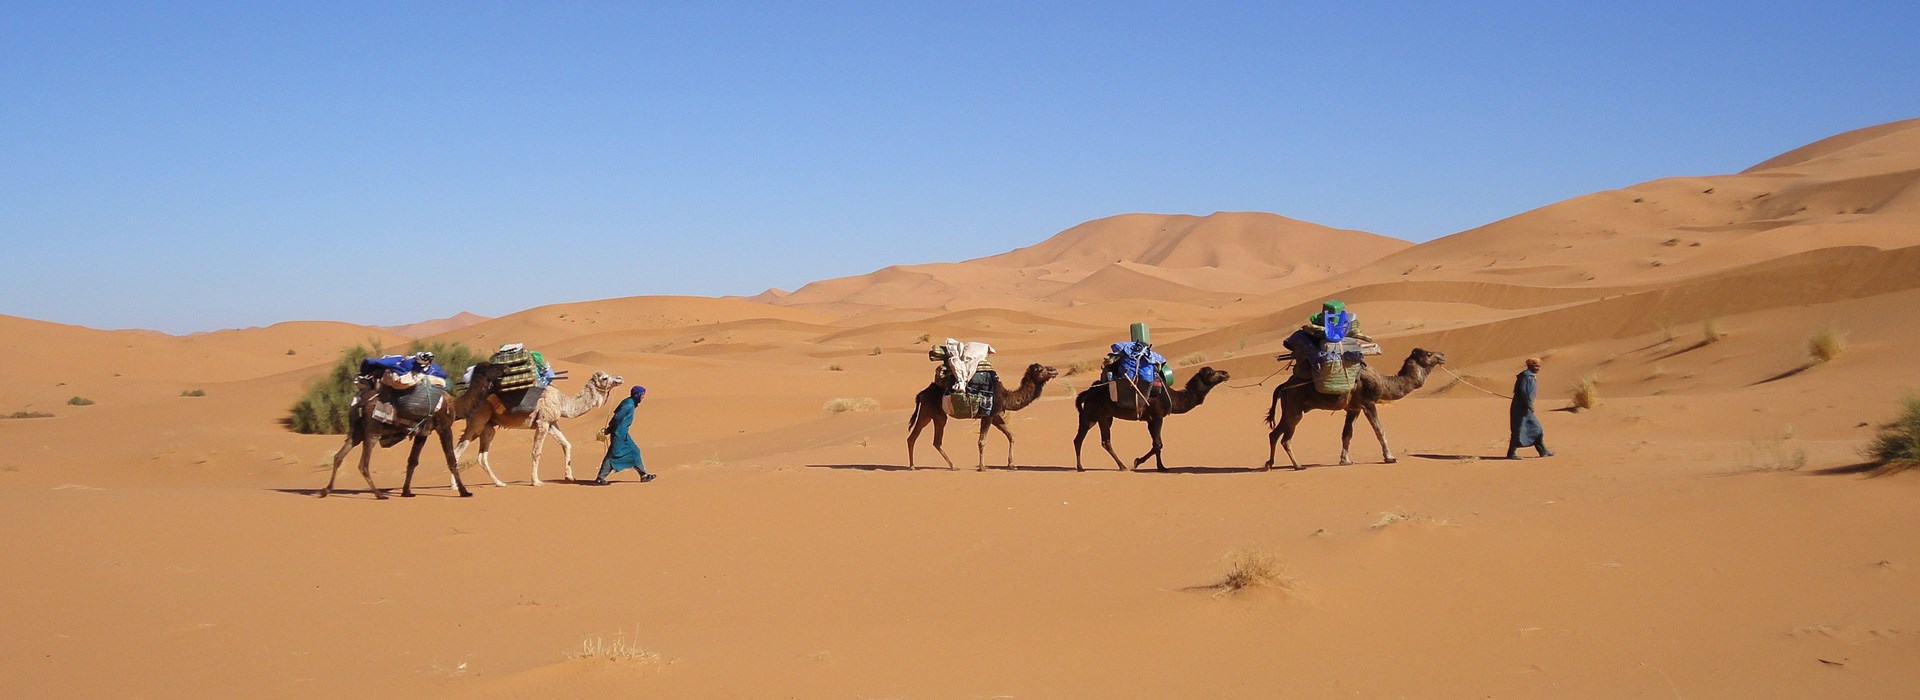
193, 165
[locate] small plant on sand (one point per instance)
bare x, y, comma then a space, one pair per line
1771, 453
1826, 344
1082, 367
923, 338
1586, 394
1897, 446
1253, 568
1193, 359
194, 392
1712, 331
876, 351
79, 401
835, 367
291, 352
30, 414
860, 405
618, 648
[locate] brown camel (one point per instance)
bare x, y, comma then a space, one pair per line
1096, 406
364, 431
552, 406
1297, 396
929, 407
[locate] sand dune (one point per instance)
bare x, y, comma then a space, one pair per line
1699, 534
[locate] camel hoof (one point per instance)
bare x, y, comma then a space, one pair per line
1297, 467
406, 494
500, 484
1391, 460
379, 496
1160, 468
323, 494
465, 493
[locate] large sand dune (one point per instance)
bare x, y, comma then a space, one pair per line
1699, 534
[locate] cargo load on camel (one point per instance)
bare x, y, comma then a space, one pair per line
523, 376
967, 377
404, 390
1133, 372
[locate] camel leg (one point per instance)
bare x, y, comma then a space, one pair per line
1346, 438
921, 417
940, 437
1078, 438
1153, 430
566, 450
486, 446
539, 441
413, 460
1373, 418
366, 466
1288, 422
982, 464
1000, 421
338, 457
453, 461
1106, 441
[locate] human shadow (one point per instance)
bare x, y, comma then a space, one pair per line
1455, 457
1783, 375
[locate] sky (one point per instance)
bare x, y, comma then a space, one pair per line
189, 166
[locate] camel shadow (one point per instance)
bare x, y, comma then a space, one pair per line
1210, 470
424, 491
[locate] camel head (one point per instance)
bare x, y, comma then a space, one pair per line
603, 382
1209, 377
1037, 373
1426, 358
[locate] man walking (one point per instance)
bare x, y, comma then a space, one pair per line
1525, 426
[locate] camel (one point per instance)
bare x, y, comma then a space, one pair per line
1096, 406
928, 407
364, 431
1297, 396
483, 418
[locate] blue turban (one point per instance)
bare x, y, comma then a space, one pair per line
638, 391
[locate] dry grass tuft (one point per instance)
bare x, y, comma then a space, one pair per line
860, 405
875, 351
195, 393
1586, 394
1253, 568
1897, 446
1711, 330
1826, 344
1771, 453
28, 414
1082, 367
835, 367
79, 401
618, 649
1193, 359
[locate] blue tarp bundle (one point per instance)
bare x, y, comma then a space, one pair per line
1138, 360
376, 366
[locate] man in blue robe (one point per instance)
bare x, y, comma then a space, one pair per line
1525, 430
622, 453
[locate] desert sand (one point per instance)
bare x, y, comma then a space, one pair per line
1700, 533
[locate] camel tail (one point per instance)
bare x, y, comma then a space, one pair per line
1271, 423
914, 419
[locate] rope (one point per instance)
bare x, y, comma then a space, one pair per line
1463, 380
1283, 368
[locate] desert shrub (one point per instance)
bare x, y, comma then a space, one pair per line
79, 401
860, 405
1586, 394
291, 352
1897, 445
194, 392
1082, 366
1826, 344
923, 338
835, 367
1712, 331
875, 351
619, 648
30, 414
1253, 568
1193, 359
322, 409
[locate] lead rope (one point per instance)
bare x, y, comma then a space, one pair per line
1463, 380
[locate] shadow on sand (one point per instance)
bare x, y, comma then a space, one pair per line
1459, 458
1030, 468
424, 491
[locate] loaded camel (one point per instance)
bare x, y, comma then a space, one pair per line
552, 406
1297, 396
1096, 406
364, 430
929, 406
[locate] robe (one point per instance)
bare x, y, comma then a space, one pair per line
1525, 426
622, 453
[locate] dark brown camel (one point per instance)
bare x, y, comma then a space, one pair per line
929, 406
1096, 406
364, 431
1297, 396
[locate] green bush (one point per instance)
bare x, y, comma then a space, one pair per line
79, 401
1897, 446
194, 392
322, 410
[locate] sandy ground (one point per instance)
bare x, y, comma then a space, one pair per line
1699, 534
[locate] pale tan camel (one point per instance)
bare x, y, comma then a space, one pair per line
483, 418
